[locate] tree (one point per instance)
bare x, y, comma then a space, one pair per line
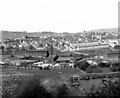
102, 64
93, 69
62, 91
110, 89
31, 47
56, 57
82, 65
47, 54
117, 46
31, 88
2, 47
115, 66
26, 37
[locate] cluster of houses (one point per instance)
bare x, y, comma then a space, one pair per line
62, 60
51, 61
67, 42
89, 45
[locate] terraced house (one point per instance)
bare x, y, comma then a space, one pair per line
89, 45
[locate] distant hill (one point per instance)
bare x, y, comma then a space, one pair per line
15, 34
45, 32
18, 34
110, 30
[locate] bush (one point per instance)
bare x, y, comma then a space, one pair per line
31, 88
82, 65
93, 69
115, 66
62, 91
117, 47
114, 69
102, 64
109, 90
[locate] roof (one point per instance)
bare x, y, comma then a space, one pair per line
80, 53
64, 58
28, 61
72, 54
2, 62
51, 57
31, 53
114, 52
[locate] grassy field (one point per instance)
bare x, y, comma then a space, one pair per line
11, 75
52, 73
59, 74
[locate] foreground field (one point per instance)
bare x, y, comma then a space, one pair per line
12, 76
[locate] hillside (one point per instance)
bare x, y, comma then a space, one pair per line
18, 34
110, 30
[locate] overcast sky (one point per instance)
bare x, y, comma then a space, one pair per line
58, 15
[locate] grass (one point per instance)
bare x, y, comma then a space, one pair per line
52, 73
58, 75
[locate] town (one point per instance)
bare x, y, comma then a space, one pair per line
84, 56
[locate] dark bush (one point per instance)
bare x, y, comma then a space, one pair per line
109, 90
102, 64
114, 69
117, 47
116, 64
31, 88
82, 65
93, 69
62, 91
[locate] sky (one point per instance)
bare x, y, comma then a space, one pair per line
58, 15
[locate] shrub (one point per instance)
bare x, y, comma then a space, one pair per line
93, 69
102, 64
31, 88
109, 90
117, 47
114, 69
115, 66
82, 65
62, 91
